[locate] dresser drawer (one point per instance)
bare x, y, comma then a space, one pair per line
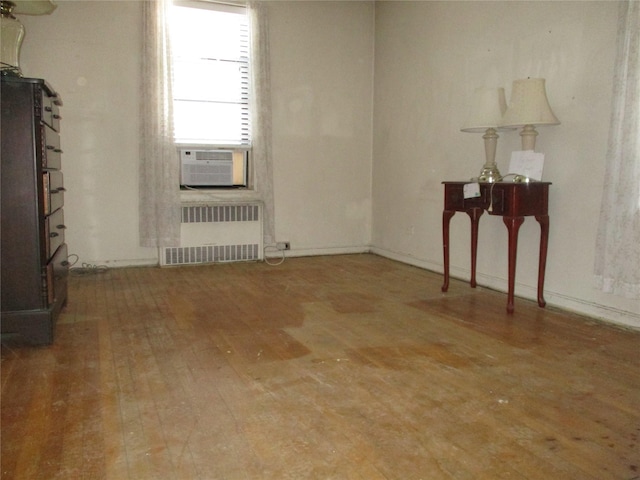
54, 231
53, 191
57, 273
51, 112
51, 154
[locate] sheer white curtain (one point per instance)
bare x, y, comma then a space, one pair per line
617, 266
261, 116
159, 191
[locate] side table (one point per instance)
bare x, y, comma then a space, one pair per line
511, 201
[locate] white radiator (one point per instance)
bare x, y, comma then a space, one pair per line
217, 233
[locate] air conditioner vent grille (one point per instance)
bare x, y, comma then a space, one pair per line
214, 155
220, 213
210, 254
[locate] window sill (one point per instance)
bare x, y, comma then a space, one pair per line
218, 195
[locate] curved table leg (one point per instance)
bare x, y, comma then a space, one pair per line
543, 220
446, 219
513, 225
474, 215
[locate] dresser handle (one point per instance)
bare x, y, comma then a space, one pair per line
55, 115
64, 263
54, 234
61, 227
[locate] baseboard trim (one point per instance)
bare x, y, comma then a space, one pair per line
315, 252
138, 262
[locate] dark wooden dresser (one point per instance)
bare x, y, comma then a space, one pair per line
34, 254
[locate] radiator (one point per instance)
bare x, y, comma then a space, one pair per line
217, 233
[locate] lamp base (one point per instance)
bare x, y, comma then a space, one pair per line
489, 174
528, 136
12, 35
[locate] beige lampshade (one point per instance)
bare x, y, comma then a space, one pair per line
486, 110
529, 105
33, 7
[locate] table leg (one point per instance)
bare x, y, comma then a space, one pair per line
474, 215
446, 219
543, 220
513, 225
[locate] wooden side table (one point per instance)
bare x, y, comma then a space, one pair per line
511, 201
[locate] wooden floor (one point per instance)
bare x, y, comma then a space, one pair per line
344, 367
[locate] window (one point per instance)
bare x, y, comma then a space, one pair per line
210, 47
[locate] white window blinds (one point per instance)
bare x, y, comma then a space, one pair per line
210, 45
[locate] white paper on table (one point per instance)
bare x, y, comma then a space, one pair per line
471, 190
527, 163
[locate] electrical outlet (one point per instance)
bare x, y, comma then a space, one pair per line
283, 246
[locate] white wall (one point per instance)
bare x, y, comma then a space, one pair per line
430, 56
90, 52
322, 82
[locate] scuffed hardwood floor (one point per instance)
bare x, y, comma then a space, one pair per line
344, 367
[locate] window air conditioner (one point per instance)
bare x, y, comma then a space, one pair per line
213, 168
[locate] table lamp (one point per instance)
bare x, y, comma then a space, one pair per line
528, 107
487, 107
13, 30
